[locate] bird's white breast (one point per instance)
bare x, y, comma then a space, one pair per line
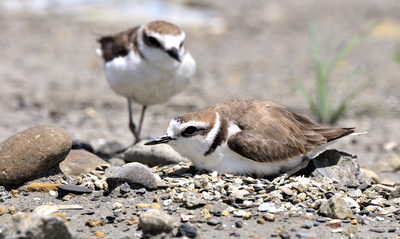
133, 77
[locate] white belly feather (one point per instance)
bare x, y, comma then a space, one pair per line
135, 78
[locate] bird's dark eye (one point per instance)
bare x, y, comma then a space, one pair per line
189, 131
153, 42
180, 46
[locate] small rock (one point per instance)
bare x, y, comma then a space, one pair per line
213, 222
80, 162
301, 196
269, 217
155, 220
238, 224
247, 215
260, 221
187, 230
141, 191
117, 205
2, 210
125, 188
336, 208
155, 206
287, 191
239, 213
306, 226
377, 230
191, 199
32, 152
284, 235
306, 235
264, 207
37, 226
236, 195
134, 173
390, 230
153, 155
105, 199
75, 189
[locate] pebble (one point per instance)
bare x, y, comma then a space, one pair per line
377, 230
75, 189
305, 235
306, 226
30, 153
153, 155
187, 230
239, 213
191, 199
336, 207
141, 191
269, 217
80, 162
155, 220
264, 207
213, 222
284, 235
105, 199
247, 215
2, 210
125, 188
135, 173
390, 230
239, 224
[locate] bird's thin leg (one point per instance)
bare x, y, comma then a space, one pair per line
132, 125
141, 123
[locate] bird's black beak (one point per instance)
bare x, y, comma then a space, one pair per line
174, 53
161, 140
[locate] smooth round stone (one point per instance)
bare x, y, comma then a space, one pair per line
30, 153
134, 173
264, 207
378, 230
187, 230
153, 155
213, 222
239, 224
75, 189
80, 162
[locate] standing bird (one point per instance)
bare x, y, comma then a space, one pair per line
147, 64
248, 137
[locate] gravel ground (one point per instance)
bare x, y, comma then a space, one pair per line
50, 74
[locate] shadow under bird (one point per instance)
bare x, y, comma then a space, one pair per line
248, 137
147, 64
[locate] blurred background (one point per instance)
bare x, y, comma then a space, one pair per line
50, 74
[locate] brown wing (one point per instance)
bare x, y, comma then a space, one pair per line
270, 132
118, 45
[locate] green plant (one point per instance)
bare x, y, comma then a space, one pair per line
321, 98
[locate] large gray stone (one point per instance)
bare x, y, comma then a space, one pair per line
28, 154
153, 155
336, 208
155, 221
37, 226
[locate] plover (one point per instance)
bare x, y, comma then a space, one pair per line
248, 137
147, 64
